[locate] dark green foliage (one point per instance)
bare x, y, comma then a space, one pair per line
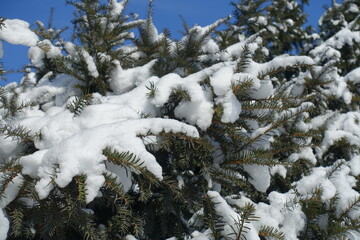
10, 104
79, 103
339, 17
323, 221
212, 219
282, 19
340, 149
247, 215
268, 131
271, 233
101, 35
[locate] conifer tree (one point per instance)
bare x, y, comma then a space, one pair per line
283, 21
218, 135
339, 27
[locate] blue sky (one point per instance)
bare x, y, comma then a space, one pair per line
166, 15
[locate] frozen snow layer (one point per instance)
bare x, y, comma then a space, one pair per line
17, 31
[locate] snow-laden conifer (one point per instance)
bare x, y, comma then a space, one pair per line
157, 138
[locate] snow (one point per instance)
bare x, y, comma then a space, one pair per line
354, 165
229, 216
42, 49
90, 64
353, 8
345, 126
57, 90
16, 31
259, 176
199, 110
305, 153
231, 107
330, 47
353, 76
281, 213
221, 80
278, 169
68, 145
307, 185
81, 153
36, 55
123, 80
282, 62
117, 7
4, 226
339, 182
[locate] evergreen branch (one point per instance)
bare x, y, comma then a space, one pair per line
79, 103
278, 69
9, 102
89, 230
254, 156
17, 133
152, 90
353, 204
334, 168
247, 215
228, 177
242, 89
245, 59
9, 170
271, 233
111, 184
17, 218
212, 219
2, 22
279, 123
130, 162
81, 188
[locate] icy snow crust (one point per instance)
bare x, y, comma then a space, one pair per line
72, 145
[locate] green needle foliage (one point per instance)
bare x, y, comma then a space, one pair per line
277, 157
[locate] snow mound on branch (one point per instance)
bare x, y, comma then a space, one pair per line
333, 182
353, 76
43, 48
222, 208
55, 91
16, 31
81, 153
117, 7
123, 80
343, 126
281, 213
199, 110
4, 226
